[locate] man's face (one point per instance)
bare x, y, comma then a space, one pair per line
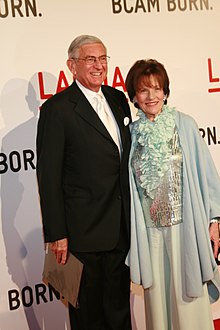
90, 76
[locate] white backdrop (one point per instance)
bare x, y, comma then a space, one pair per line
35, 35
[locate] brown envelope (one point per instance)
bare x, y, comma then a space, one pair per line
64, 278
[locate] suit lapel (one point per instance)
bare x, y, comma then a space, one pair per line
86, 111
118, 114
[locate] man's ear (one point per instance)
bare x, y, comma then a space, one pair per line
71, 65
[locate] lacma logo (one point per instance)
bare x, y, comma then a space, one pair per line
21, 8
214, 79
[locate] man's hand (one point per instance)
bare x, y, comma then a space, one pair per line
60, 248
214, 236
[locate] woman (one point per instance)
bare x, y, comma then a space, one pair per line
175, 206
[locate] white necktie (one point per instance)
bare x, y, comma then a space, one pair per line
106, 118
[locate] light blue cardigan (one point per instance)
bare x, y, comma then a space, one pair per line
201, 202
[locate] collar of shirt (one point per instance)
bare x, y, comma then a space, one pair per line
87, 92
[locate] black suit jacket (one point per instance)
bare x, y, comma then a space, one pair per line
83, 184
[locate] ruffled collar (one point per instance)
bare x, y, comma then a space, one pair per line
154, 139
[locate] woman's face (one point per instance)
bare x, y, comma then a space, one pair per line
150, 97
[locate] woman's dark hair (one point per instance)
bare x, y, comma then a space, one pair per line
143, 69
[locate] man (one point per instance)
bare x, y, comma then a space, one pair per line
83, 185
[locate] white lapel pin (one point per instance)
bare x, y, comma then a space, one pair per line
126, 121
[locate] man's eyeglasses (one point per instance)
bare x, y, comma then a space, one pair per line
103, 59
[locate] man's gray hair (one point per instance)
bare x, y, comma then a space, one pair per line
77, 43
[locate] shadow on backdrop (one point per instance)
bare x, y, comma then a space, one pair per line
20, 215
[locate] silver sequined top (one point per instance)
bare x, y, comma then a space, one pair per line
165, 209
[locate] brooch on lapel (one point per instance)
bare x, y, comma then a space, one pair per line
126, 121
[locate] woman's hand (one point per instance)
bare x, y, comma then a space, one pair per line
214, 236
